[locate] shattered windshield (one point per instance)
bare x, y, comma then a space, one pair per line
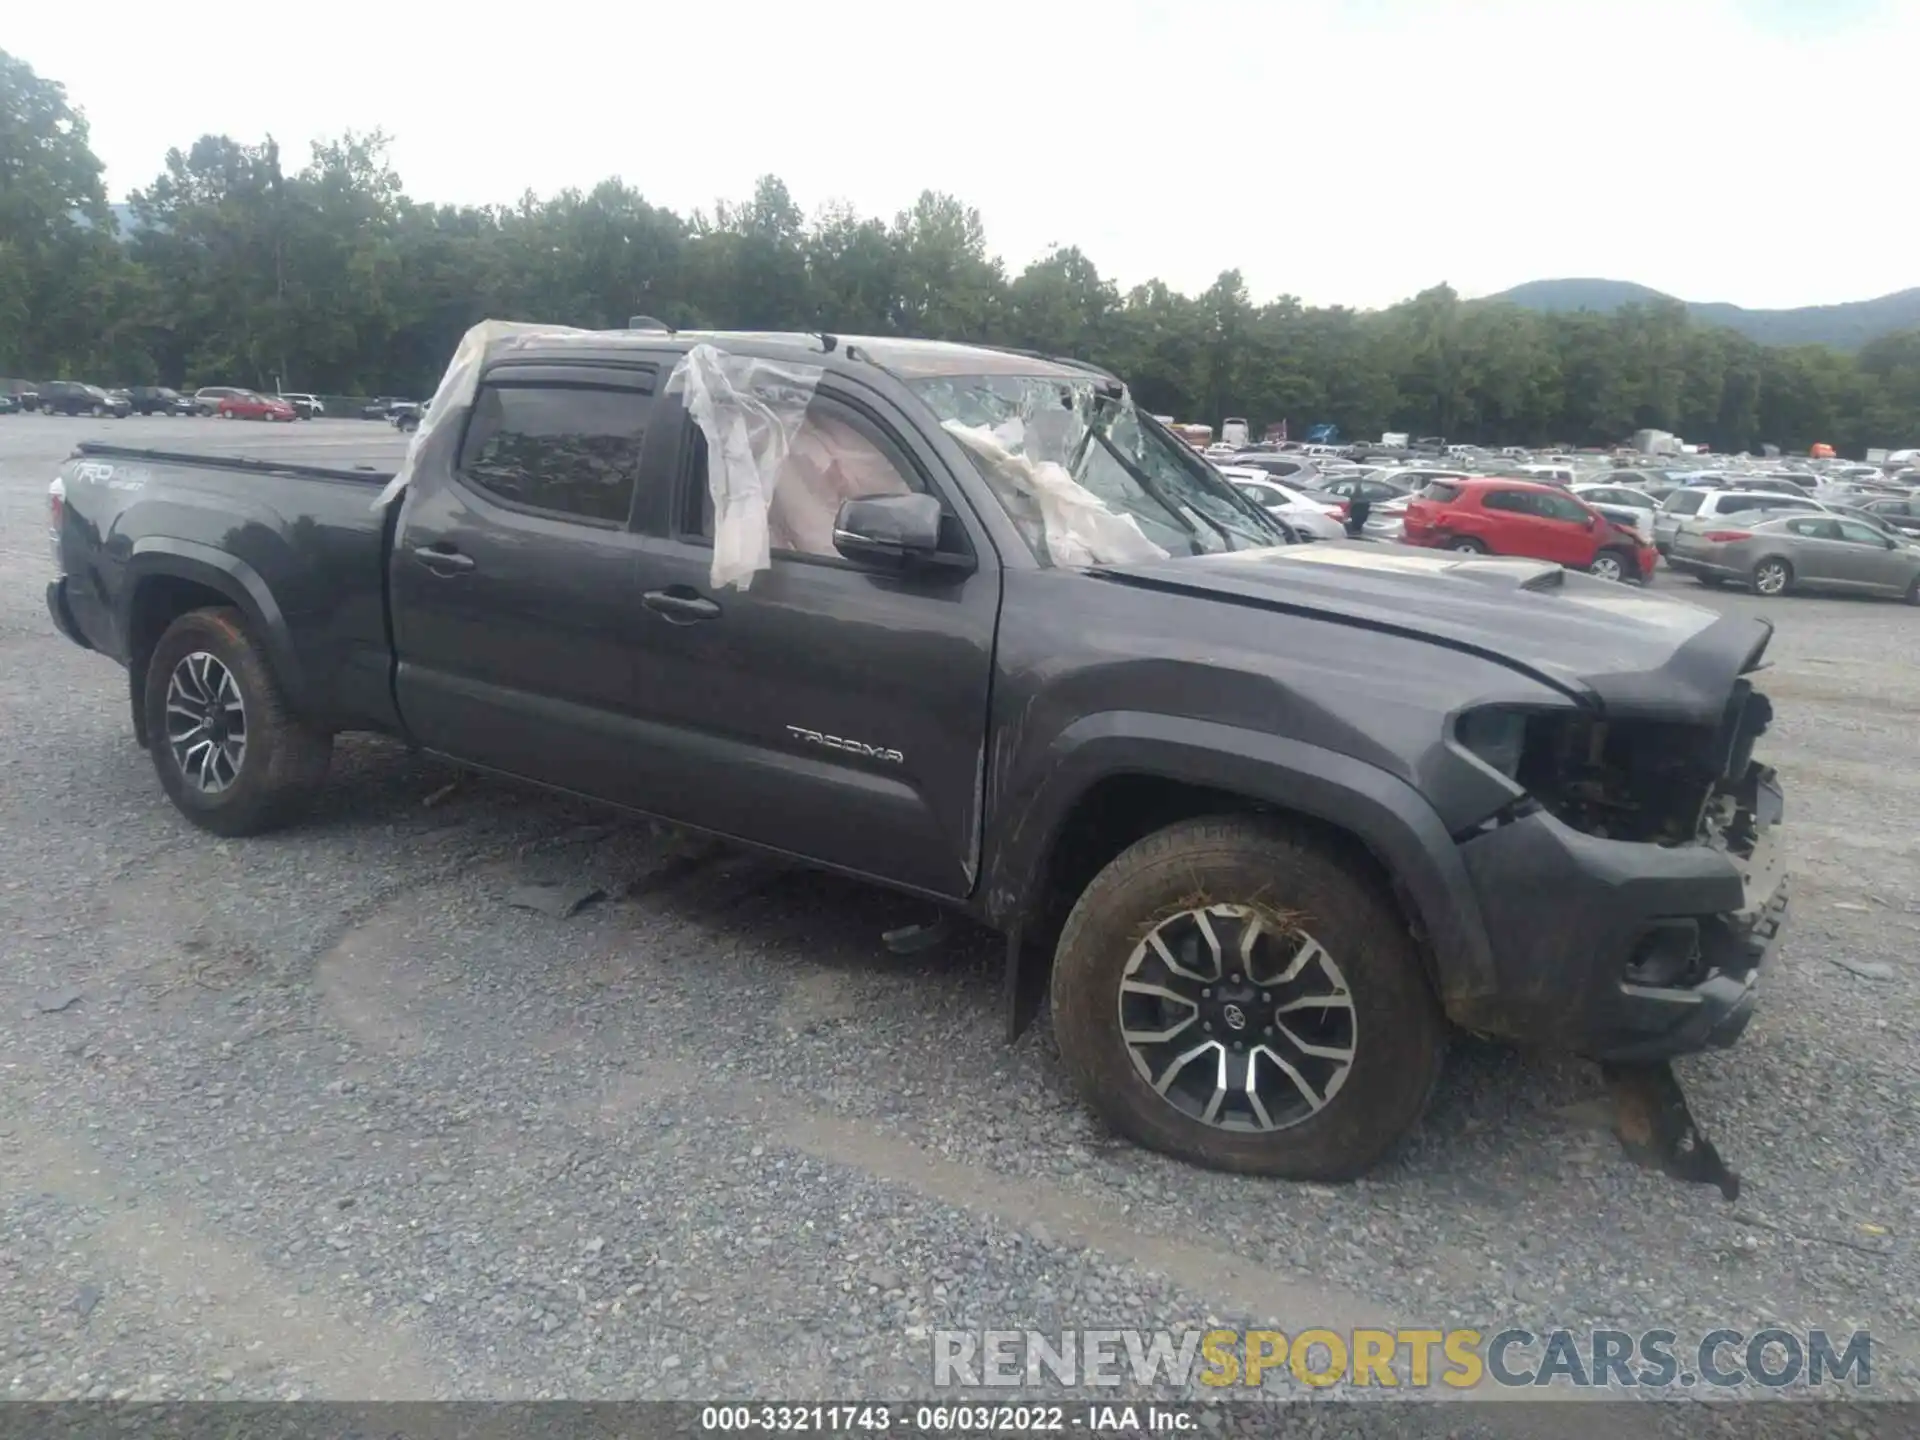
1088, 479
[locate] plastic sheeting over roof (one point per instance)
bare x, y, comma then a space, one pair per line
749, 410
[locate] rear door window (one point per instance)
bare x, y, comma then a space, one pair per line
1683, 502
1441, 492
1815, 528
570, 451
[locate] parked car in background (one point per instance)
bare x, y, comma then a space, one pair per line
246, 405
382, 408
307, 407
1560, 475
1902, 515
1693, 502
1519, 517
206, 400
1274, 464
1639, 507
1317, 520
71, 397
159, 400
9, 404
406, 417
1778, 553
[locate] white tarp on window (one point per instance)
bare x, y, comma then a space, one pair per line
750, 411
454, 396
1078, 527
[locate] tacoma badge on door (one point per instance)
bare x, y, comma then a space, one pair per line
852, 747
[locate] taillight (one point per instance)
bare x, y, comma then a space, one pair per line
56, 512
1338, 509
1726, 537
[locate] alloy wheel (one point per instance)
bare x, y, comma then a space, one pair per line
206, 722
1771, 578
1237, 1019
1607, 567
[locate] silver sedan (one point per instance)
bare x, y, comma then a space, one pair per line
1798, 552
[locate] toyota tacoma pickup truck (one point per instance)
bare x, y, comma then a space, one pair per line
1264, 821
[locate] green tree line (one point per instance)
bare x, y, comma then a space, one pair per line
243, 266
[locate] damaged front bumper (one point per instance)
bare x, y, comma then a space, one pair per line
1631, 954
1625, 951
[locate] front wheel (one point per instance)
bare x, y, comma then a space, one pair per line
1772, 577
1240, 995
1613, 565
229, 751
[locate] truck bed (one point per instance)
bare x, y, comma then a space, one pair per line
297, 544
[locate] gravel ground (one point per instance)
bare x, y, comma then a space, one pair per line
324, 1116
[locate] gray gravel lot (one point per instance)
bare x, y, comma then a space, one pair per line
329, 1118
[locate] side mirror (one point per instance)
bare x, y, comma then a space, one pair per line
1592, 520
888, 532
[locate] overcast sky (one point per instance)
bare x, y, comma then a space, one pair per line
1753, 151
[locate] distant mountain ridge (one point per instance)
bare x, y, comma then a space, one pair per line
1844, 327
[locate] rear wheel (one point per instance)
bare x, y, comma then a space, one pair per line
1772, 576
229, 752
1467, 545
1239, 995
1913, 591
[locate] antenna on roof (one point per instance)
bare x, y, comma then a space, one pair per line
647, 322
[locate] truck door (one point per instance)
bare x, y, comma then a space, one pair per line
827, 710
513, 599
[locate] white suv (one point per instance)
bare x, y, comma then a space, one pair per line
1696, 502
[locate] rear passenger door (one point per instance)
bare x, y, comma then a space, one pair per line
827, 710
514, 608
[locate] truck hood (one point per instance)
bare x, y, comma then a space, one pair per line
1605, 645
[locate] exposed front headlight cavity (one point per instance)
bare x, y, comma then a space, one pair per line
1496, 735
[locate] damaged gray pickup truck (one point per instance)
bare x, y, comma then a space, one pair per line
1264, 818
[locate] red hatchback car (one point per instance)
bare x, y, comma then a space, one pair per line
248, 406
1517, 517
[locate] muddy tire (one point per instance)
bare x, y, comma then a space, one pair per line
229, 752
1315, 980
1772, 576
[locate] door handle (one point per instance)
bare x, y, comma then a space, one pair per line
681, 605
443, 562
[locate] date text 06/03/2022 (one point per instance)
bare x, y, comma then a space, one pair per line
956, 1419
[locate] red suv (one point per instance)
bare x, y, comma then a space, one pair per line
245, 405
1516, 517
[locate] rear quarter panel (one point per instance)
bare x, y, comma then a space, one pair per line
301, 557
